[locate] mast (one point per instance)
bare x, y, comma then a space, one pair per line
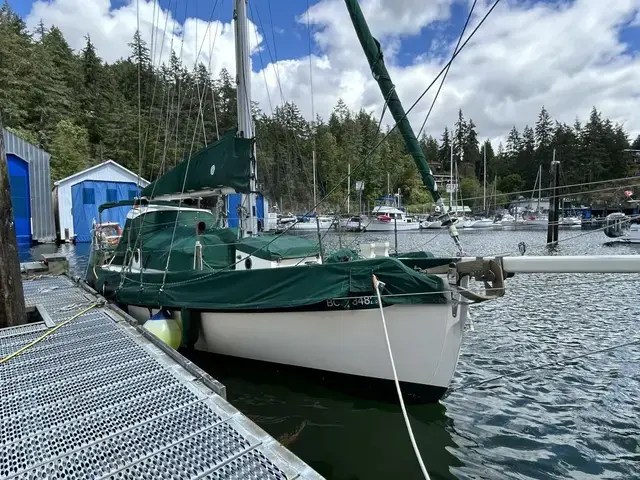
539, 189
374, 56
373, 52
484, 194
451, 179
245, 121
348, 188
313, 160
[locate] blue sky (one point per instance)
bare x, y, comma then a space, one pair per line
291, 38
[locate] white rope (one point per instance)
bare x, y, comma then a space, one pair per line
377, 284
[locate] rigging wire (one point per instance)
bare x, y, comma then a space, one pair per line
444, 77
274, 61
564, 240
388, 133
122, 272
597, 182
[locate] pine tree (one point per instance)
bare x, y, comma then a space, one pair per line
543, 130
514, 146
444, 152
459, 138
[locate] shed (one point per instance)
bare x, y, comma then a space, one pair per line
78, 197
30, 180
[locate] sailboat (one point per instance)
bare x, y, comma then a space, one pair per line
484, 222
278, 298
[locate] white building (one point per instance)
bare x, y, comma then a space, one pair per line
77, 198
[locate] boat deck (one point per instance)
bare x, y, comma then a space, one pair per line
101, 398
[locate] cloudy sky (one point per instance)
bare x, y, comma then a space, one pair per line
566, 54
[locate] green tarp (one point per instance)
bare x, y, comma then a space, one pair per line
422, 260
224, 163
274, 288
153, 233
343, 255
271, 247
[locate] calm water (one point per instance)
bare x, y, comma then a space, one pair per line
579, 421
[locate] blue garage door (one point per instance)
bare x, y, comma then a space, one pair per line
87, 196
19, 181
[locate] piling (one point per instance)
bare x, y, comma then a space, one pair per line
554, 206
12, 311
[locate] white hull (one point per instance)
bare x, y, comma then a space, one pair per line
382, 226
425, 340
426, 225
484, 223
312, 226
538, 222
513, 223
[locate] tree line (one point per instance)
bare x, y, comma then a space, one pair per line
148, 118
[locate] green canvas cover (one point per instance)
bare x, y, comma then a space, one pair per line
224, 163
422, 259
280, 247
153, 232
274, 288
343, 255
373, 52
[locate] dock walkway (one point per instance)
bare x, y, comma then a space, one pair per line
97, 398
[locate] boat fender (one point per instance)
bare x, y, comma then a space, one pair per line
165, 328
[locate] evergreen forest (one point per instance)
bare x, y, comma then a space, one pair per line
85, 111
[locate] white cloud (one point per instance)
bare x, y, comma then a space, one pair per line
111, 30
567, 56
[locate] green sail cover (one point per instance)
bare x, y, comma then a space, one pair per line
224, 163
273, 288
373, 52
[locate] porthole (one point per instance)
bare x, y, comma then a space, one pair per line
248, 263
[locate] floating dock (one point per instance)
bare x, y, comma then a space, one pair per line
96, 396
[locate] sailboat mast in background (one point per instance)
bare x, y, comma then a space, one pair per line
484, 194
451, 179
245, 121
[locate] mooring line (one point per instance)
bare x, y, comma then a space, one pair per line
45, 335
376, 284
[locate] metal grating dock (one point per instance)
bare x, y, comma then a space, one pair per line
97, 399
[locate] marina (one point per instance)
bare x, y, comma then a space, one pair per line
558, 422
236, 316
86, 393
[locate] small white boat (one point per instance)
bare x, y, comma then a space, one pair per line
431, 223
353, 224
570, 222
538, 220
619, 227
325, 223
387, 217
482, 223
509, 220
